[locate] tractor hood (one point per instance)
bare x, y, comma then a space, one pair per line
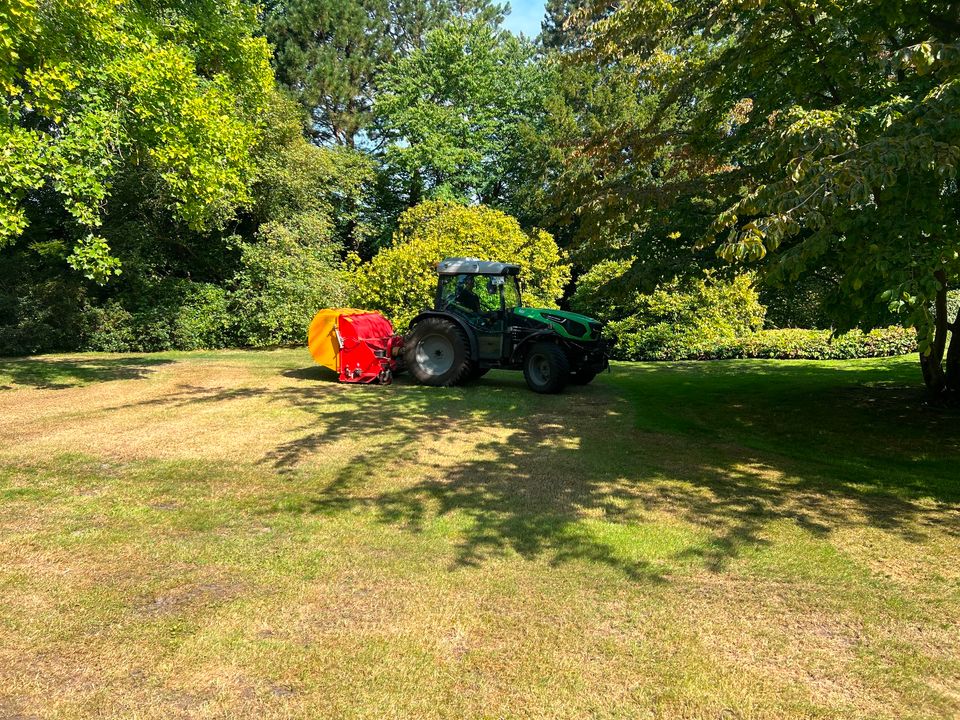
569, 325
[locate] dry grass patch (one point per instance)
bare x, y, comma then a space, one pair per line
216, 535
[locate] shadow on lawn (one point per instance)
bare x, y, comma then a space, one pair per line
60, 373
728, 447
819, 447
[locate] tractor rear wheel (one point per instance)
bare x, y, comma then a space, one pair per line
546, 368
437, 353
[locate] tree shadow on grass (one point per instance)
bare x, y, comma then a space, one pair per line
61, 373
558, 476
590, 475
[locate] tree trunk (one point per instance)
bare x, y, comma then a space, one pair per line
932, 363
953, 357
416, 188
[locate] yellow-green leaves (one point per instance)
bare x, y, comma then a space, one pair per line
400, 280
91, 257
22, 154
18, 26
91, 88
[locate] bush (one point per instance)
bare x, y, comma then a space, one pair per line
172, 314
41, 316
285, 277
600, 292
401, 279
790, 344
109, 328
679, 319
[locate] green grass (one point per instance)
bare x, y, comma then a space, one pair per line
233, 534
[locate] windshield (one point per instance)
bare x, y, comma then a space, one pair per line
478, 293
511, 292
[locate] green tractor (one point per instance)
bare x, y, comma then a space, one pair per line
478, 322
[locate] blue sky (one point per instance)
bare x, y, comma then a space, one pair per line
525, 17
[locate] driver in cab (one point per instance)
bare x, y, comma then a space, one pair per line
467, 295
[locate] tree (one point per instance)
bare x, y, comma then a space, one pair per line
829, 133
94, 90
400, 280
309, 203
297, 178
329, 53
453, 112
565, 22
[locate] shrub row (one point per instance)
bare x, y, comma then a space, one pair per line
659, 343
270, 301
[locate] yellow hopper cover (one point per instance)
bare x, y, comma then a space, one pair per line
322, 336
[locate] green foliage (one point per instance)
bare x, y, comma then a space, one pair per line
327, 51
286, 275
601, 292
173, 314
110, 328
783, 344
295, 177
330, 53
829, 132
94, 89
677, 319
401, 279
454, 112
42, 316
797, 344
805, 303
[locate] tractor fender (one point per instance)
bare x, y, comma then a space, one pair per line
520, 348
467, 330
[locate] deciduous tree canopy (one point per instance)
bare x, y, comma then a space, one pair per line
828, 130
453, 112
169, 91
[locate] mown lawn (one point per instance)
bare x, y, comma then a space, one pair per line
219, 535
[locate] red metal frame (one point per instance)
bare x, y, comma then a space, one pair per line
368, 348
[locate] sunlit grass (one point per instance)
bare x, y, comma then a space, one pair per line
233, 534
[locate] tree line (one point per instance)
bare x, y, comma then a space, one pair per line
209, 172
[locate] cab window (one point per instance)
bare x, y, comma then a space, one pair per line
471, 294
511, 292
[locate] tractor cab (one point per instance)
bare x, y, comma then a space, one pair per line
484, 294
478, 322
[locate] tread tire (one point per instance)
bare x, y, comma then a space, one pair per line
550, 357
460, 367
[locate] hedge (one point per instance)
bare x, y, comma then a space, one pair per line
786, 344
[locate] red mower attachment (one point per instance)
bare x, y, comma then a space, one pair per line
359, 345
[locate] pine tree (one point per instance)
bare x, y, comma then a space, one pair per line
329, 53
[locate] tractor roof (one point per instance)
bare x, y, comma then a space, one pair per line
473, 266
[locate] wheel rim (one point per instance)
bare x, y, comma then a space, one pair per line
435, 354
540, 369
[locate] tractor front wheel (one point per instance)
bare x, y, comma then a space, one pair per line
546, 368
437, 353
